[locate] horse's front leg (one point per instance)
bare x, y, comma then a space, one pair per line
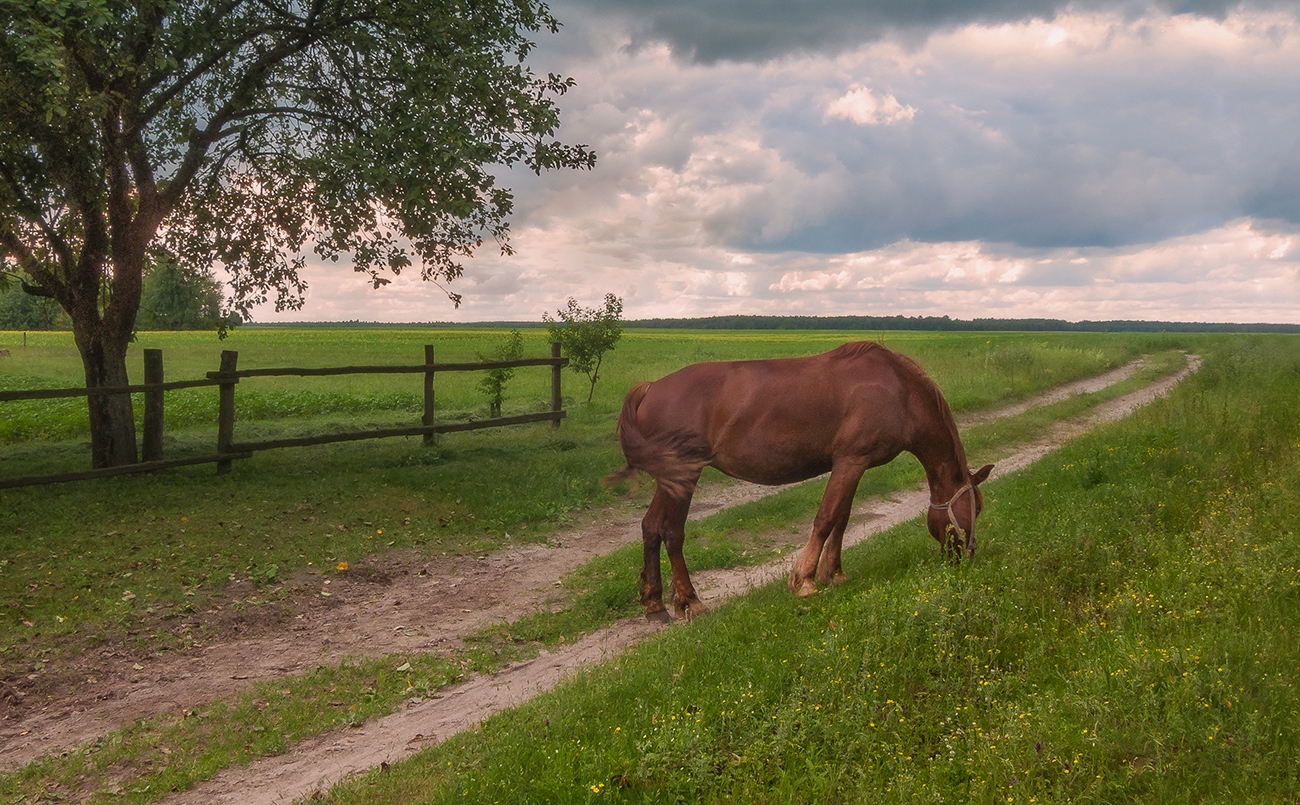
821, 555
829, 567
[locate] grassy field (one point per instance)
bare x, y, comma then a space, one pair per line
69, 555
1126, 635
977, 369
173, 537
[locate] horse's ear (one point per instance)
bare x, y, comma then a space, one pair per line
981, 475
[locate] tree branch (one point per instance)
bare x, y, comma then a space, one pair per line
62, 250
36, 290
34, 267
294, 111
186, 79
201, 141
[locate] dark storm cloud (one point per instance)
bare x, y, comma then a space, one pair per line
745, 30
1098, 160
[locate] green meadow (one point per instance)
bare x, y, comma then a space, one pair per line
189, 531
1126, 634
768, 699
978, 369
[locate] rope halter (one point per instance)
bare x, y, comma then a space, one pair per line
952, 518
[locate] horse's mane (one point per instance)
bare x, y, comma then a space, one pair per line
945, 412
913, 371
854, 349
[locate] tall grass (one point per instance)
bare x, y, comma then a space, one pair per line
1127, 634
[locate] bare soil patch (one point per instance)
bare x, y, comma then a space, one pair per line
401, 601
405, 602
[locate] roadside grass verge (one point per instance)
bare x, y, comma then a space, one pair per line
1127, 634
81, 561
991, 440
153, 757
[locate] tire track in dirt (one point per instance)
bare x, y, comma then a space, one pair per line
426, 611
421, 605
315, 764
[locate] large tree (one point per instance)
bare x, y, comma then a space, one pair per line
242, 132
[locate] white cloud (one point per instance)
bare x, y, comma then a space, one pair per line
811, 281
1232, 273
866, 108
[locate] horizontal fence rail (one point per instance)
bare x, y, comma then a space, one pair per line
108, 472
383, 433
103, 391
381, 370
228, 376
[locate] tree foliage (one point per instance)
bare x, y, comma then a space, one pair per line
247, 133
586, 334
493, 383
177, 297
22, 311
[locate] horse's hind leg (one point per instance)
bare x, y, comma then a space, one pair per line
821, 554
652, 534
686, 604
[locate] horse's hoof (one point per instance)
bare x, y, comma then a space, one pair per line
805, 588
691, 610
659, 616
837, 577
795, 582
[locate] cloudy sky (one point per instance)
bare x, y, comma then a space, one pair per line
970, 158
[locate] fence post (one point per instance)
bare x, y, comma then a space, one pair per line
428, 393
153, 406
226, 408
557, 401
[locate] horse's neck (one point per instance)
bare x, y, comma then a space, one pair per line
939, 449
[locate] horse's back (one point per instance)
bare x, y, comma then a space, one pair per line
779, 420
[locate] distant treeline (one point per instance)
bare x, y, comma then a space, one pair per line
851, 323
946, 323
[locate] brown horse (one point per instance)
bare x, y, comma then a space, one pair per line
786, 420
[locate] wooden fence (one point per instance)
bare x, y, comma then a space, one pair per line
229, 375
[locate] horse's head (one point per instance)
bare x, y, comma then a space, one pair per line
952, 523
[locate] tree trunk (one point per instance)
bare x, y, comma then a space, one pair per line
103, 329
112, 419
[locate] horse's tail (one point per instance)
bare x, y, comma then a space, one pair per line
634, 444
661, 461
